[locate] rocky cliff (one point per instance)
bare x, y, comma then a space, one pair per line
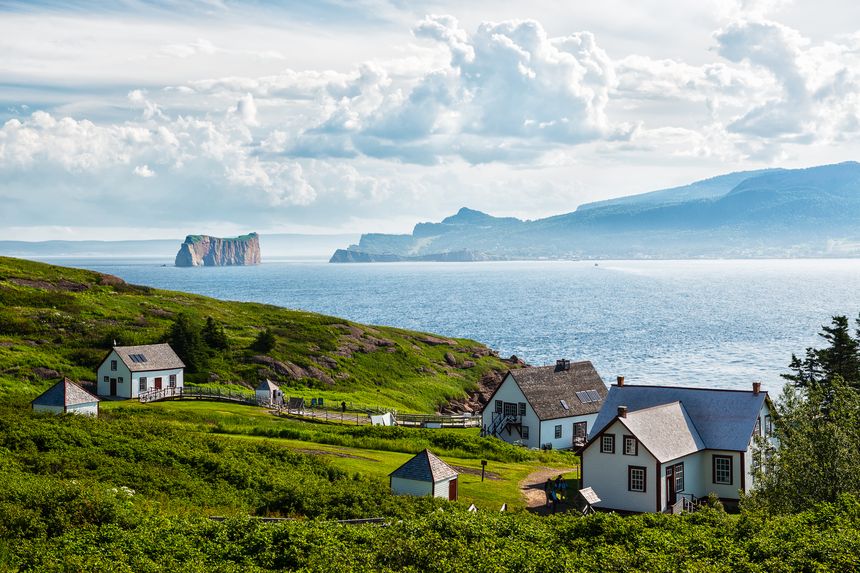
203, 250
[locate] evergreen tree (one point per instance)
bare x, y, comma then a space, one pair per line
184, 337
265, 341
214, 335
821, 365
818, 458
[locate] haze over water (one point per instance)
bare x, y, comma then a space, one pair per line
691, 323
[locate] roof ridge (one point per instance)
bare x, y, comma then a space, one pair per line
627, 385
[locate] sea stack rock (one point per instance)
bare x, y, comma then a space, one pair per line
203, 250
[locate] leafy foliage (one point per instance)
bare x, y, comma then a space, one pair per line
819, 454
265, 341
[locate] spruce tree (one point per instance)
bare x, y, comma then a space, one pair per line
214, 335
840, 358
184, 337
265, 341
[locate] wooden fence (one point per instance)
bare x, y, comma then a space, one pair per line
197, 393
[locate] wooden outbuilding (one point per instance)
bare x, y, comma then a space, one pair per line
66, 397
425, 475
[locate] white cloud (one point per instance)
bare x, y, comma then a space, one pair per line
143, 171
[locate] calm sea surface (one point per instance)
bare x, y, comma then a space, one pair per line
714, 323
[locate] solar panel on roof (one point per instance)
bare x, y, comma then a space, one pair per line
137, 358
583, 397
595, 397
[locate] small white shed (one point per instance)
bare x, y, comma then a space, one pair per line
66, 397
269, 393
425, 475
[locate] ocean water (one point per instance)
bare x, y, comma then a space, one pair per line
718, 323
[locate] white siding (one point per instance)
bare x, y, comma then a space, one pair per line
150, 379
440, 489
123, 389
86, 409
49, 409
401, 486
547, 431
725, 491
130, 385
694, 480
607, 474
508, 391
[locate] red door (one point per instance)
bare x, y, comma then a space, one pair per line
452, 490
158, 383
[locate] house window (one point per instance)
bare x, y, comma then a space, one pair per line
107, 379
558, 431
723, 470
757, 430
113, 365
510, 409
580, 430
636, 478
522, 408
172, 381
525, 432
607, 444
498, 406
142, 383
631, 446
679, 477
119, 380
768, 425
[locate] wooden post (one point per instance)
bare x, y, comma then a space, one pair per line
483, 467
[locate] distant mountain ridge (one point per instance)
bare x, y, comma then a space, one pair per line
812, 212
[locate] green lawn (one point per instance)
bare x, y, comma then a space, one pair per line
500, 486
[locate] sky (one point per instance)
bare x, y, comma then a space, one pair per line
156, 119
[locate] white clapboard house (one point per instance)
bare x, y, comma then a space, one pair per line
66, 397
653, 448
129, 371
425, 475
545, 406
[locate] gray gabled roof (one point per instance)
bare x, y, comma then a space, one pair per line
64, 393
425, 466
724, 419
268, 386
155, 357
546, 386
666, 431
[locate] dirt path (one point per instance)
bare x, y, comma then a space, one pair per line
532, 486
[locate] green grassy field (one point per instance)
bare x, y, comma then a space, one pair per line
65, 320
356, 452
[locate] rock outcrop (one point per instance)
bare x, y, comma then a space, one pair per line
203, 250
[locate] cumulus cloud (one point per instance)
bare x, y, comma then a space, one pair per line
143, 171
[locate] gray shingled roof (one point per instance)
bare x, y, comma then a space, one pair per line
725, 419
546, 386
667, 431
158, 357
268, 386
425, 466
64, 393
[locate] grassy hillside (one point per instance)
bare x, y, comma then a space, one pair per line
60, 321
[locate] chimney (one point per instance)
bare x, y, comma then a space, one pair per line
622, 411
620, 380
756, 388
562, 364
